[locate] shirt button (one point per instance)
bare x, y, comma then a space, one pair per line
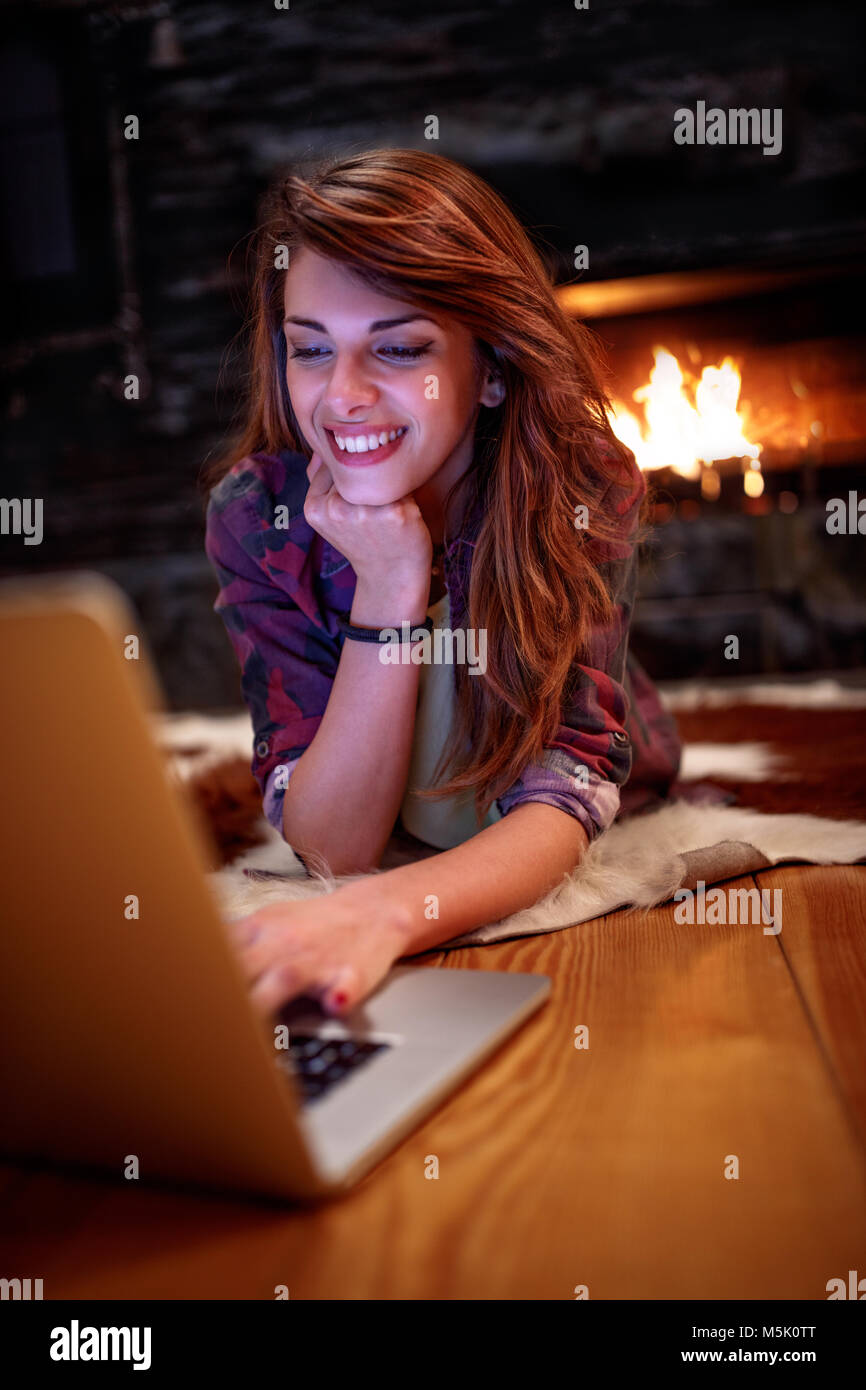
620, 736
263, 748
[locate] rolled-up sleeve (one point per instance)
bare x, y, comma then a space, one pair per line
583, 767
288, 660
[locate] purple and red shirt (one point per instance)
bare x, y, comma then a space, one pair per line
283, 589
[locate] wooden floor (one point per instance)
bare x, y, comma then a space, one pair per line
561, 1167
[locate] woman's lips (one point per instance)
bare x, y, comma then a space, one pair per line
364, 460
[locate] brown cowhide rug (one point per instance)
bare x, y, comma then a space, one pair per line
770, 773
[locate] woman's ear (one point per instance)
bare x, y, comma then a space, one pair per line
493, 391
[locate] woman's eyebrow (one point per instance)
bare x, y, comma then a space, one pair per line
376, 327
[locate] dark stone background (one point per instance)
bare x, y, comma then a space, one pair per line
568, 113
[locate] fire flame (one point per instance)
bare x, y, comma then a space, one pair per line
683, 435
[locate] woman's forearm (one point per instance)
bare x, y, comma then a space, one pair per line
504, 868
343, 797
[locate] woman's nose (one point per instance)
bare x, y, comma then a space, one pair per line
349, 386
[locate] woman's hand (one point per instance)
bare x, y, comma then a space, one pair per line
389, 547
335, 948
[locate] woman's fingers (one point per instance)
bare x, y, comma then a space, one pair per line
343, 992
283, 982
310, 948
242, 930
320, 494
284, 979
319, 475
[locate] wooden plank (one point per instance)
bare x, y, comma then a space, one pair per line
91, 1238
42, 1213
557, 1167
86, 1237
823, 938
561, 1167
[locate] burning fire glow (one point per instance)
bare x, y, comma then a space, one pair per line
683, 433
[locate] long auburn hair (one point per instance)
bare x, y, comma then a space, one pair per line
425, 229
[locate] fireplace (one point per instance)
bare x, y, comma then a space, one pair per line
743, 395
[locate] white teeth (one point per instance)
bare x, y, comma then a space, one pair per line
363, 444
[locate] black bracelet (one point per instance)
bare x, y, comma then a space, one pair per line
382, 634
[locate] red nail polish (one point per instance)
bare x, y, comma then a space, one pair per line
340, 999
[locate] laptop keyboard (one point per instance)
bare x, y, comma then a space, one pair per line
319, 1063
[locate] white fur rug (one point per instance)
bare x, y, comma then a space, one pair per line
639, 862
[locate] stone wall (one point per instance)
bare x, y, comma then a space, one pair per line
568, 112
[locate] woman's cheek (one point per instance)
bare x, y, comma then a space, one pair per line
303, 413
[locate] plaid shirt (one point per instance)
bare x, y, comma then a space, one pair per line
283, 588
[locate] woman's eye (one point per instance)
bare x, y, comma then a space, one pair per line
398, 353
307, 354
406, 353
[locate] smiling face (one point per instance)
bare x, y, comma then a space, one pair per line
385, 393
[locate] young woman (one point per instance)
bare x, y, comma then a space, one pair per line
427, 445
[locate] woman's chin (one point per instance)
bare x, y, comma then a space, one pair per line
364, 493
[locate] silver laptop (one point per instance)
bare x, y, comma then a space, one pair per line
127, 1038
